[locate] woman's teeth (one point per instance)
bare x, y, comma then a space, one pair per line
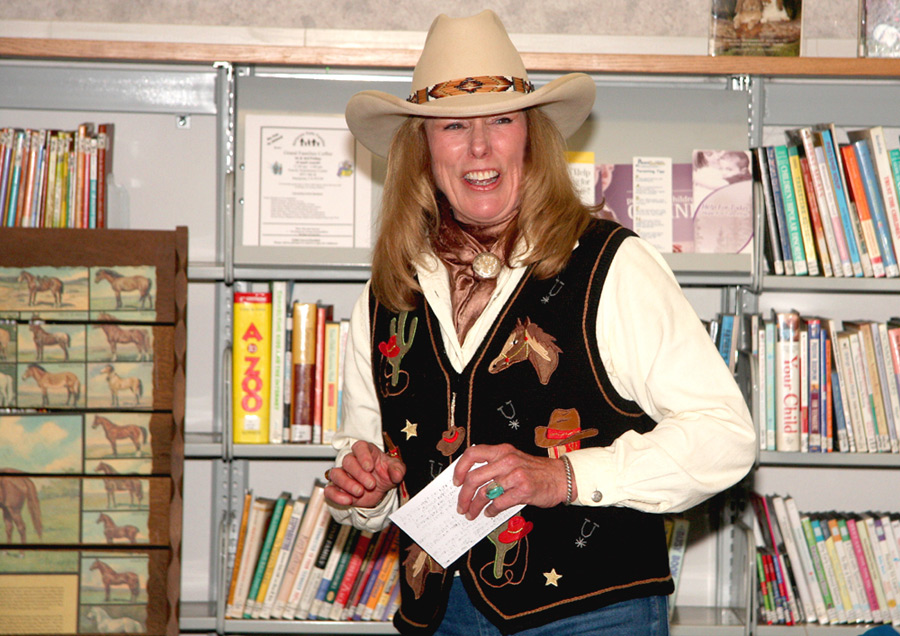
481, 177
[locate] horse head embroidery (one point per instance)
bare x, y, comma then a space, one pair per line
529, 342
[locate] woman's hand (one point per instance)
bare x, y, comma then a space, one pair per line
365, 475
526, 479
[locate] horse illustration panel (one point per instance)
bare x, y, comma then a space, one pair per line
42, 288
124, 385
111, 339
51, 385
8, 376
53, 342
125, 289
119, 509
40, 510
115, 528
44, 443
111, 579
8, 340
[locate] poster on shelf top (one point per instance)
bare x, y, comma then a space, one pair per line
879, 33
306, 184
755, 27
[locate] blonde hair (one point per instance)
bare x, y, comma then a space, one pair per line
551, 216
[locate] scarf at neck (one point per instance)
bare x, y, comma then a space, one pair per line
457, 244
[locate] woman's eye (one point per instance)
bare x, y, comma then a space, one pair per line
503, 120
455, 125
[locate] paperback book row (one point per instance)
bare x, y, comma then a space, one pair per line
831, 207
826, 385
287, 359
55, 178
292, 561
828, 568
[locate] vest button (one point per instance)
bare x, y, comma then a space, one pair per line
597, 496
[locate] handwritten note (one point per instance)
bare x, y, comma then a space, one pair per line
430, 518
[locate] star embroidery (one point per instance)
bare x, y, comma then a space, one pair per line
410, 429
514, 424
580, 542
552, 577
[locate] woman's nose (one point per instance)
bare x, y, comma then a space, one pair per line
479, 140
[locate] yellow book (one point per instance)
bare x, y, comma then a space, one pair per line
330, 388
251, 364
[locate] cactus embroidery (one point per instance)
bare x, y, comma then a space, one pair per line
399, 342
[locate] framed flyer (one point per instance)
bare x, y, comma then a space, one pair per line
307, 192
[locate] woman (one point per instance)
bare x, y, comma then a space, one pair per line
553, 353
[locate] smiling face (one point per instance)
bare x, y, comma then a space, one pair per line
478, 163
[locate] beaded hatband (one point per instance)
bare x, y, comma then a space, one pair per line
470, 85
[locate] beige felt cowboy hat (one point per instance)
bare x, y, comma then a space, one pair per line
468, 68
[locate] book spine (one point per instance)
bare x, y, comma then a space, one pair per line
816, 433
92, 181
351, 575
813, 607
864, 387
815, 217
787, 390
263, 558
874, 570
771, 391
824, 588
780, 214
886, 180
301, 612
251, 366
238, 552
330, 388
840, 197
892, 559
677, 550
277, 375
843, 590
818, 192
261, 512
861, 604
303, 359
862, 565
877, 209
877, 540
281, 560
803, 216
329, 569
313, 516
761, 164
870, 350
307, 565
837, 229
791, 214
104, 153
857, 189
828, 569
271, 553
887, 381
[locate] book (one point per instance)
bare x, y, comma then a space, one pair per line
807, 587
324, 314
748, 28
384, 571
868, 353
251, 363
884, 569
722, 194
774, 545
857, 192
803, 214
877, 146
840, 260
817, 433
772, 241
856, 540
818, 565
330, 375
843, 594
770, 328
351, 575
377, 546
311, 588
677, 550
781, 227
787, 382
855, 395
277, 373
343, 345
315, 517
303, 580
836, 177
385, 545
887, 541
888, 381
303, 378
284, 550
238, 551
265, 564
876, 206
874, 569
260, 512
820, 545
105, 133
817, 193
862, 612
791, 212
322, 606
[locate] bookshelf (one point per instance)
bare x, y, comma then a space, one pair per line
174, 105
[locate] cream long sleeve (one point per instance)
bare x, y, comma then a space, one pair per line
656, 352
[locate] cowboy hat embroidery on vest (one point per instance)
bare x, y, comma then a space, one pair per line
563, 433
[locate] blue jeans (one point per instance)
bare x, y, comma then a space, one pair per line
639, 617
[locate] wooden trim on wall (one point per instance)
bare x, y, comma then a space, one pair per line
181, 52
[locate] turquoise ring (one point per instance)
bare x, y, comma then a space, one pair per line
494, 491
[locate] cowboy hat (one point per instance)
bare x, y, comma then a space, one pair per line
564, 428
468, 68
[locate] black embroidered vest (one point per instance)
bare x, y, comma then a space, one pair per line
536, 382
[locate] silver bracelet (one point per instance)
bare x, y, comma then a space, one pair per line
568, 466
